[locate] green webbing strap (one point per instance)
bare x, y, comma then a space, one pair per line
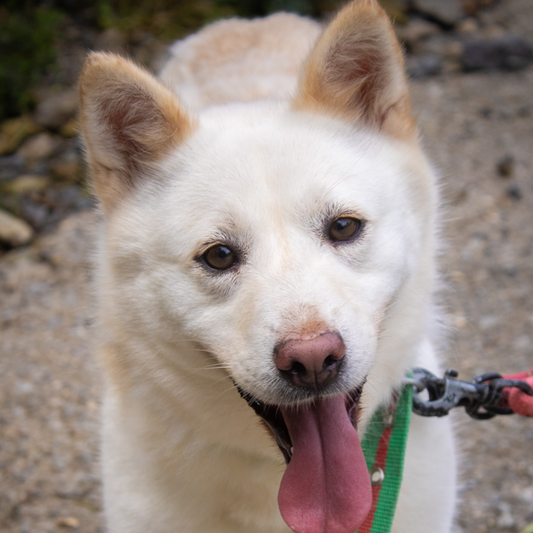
395, 453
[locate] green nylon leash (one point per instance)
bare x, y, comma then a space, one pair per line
384, 449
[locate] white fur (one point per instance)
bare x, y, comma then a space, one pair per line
181, 450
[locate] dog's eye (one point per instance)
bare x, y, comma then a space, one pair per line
220, 257
344, 228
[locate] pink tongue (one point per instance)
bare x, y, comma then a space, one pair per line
326, 487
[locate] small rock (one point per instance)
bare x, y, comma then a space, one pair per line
14, 131
414, 31
468, 25
506, 519
447, 12
68, 521
424, 66
26, 184
58, 109
37, 214
505, 166
504, 53
11, 166
486, 112
14, 231
39, 147
514, 192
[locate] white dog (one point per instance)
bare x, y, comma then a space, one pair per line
269, 231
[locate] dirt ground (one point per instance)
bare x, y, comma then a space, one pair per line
478, 130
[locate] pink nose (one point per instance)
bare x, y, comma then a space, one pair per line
311, 363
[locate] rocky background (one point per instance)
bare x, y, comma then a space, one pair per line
470, 63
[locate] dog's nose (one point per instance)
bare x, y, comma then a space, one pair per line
311, 363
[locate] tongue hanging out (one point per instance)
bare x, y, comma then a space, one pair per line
326, 487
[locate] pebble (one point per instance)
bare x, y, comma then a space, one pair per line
68, 521
414, 31
514, 192
505, 166
58, 109
447, 12
506, 519
420, 67
26, 184
469, 25
11, 166
40, 146
14, 131
509, 52
14, 231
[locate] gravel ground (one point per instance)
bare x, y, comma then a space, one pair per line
478, 129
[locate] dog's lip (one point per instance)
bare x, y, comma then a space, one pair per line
273, 417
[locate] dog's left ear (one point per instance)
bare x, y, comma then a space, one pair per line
356, 72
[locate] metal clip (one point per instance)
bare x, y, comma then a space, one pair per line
482, 398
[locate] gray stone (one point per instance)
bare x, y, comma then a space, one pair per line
506, 519
514, 192
11, 166
424, 66
448, 12
509, 52
56, 110
14, 231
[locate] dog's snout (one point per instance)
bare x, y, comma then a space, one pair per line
311, 363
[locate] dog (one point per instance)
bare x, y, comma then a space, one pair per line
269, 231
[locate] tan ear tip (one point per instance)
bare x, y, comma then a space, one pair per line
365, 5
101, 60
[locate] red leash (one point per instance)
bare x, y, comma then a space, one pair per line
516, 399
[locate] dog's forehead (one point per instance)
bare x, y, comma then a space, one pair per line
244, 160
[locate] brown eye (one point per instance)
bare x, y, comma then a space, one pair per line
344, 228
220, 257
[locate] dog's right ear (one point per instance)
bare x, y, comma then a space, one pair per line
128, 121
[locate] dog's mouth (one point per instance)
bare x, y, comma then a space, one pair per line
326, 486
273, 418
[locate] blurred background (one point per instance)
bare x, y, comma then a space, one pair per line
470, 64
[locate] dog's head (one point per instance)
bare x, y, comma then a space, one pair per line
292, 241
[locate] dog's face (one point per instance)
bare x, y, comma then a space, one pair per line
279, 238
266, 228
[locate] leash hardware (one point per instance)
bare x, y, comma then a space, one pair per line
482, 398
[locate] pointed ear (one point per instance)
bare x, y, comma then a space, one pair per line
356, 72
128, 120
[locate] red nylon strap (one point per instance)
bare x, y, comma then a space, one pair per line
381, 462
516, 399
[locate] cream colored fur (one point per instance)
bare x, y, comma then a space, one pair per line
181, 451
